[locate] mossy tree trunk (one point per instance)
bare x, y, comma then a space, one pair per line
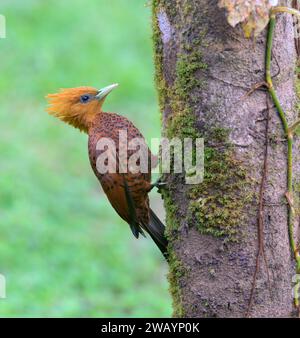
204, 69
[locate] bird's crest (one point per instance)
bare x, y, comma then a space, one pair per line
75, 106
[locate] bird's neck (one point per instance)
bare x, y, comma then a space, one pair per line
92, 121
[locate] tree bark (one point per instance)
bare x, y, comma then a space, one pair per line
204, 69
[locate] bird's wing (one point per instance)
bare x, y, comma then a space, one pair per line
126, 200
121, 196
127, 193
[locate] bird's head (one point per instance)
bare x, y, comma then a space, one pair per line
78, 106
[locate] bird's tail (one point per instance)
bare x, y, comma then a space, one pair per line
156, 230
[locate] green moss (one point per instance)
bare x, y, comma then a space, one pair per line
296, 197
186, 68
216, 205
176, 273
176, 269
182, 122
189, 63
158, 57
172, 220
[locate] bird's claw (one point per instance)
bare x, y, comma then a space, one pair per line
159, 184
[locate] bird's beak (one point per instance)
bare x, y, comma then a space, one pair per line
102, 93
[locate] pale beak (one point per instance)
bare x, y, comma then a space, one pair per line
102, 93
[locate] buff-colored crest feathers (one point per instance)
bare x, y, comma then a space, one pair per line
66, 106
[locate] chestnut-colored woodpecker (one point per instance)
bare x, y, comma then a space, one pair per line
127, 191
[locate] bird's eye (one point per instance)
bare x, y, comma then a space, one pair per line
84, 98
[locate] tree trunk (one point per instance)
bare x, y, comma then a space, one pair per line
204, 69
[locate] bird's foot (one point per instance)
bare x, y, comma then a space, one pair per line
159, 184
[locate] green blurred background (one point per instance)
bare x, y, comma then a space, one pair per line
63, 250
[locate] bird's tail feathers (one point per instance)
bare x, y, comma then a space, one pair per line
156, 230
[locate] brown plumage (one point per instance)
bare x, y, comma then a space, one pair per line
127, 192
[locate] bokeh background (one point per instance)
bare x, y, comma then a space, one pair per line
63, 250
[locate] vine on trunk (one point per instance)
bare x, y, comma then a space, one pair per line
289, 132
